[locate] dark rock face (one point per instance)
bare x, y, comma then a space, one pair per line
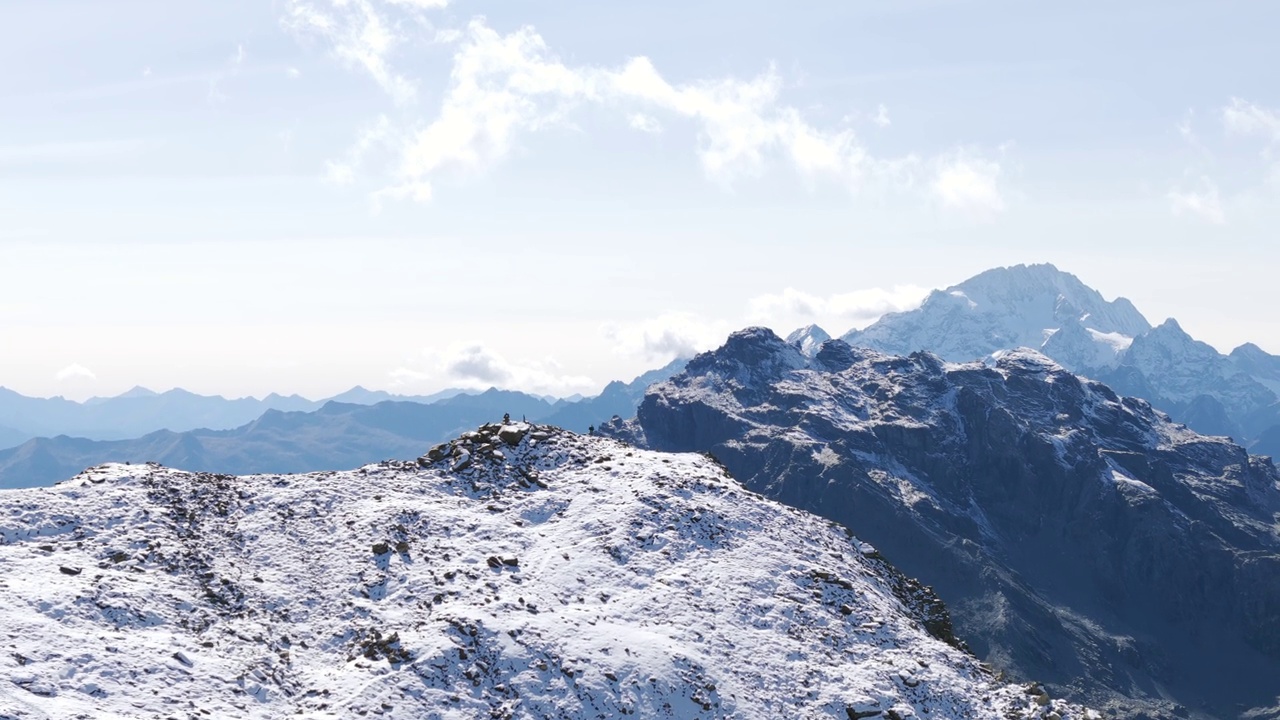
1078, 537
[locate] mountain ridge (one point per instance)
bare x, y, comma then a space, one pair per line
1080, 537
455, 587
1042, 307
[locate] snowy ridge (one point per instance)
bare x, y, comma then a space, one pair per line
520, 572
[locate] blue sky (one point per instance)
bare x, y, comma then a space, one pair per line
301, 195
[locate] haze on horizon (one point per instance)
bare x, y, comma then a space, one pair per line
300, 196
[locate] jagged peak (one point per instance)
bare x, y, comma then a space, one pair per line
1170, 325
753, 343
808, 339
808, 331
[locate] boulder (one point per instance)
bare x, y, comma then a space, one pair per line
512, 434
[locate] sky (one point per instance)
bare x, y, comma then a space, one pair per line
243, 197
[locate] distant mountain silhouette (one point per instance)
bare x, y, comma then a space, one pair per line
617, 398
141, 411
337, 436
333, 436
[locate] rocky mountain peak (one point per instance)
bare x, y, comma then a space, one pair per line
1165, 569
808, 339
756, 352
1002, 308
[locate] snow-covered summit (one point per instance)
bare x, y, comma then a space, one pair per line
1041, 307
1002, 308
518, 572
808, 339
1182, 368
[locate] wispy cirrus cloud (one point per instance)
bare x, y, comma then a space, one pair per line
505, 86
359, 35
1197, 195
1241, 117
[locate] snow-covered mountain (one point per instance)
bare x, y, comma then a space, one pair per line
520, 572
1079, 537
1041, 307
1004, 308
808, 338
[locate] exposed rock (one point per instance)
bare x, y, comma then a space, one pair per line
512, 434
1053, 515
461, 460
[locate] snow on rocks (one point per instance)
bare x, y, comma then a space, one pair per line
553, 575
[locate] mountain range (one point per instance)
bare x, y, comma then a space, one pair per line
1083, 490
141, 411
1080, 537
338, 435
1041, 307
549, 575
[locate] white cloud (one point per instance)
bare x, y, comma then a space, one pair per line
644, 123
339, 173
477, 367
882, 116
292, 73
791, 308
666, 337
967, 183
1202, 202
75, 371
503, 86
1245, 118
359, 35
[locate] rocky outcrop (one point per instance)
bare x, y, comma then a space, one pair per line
1079, 537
